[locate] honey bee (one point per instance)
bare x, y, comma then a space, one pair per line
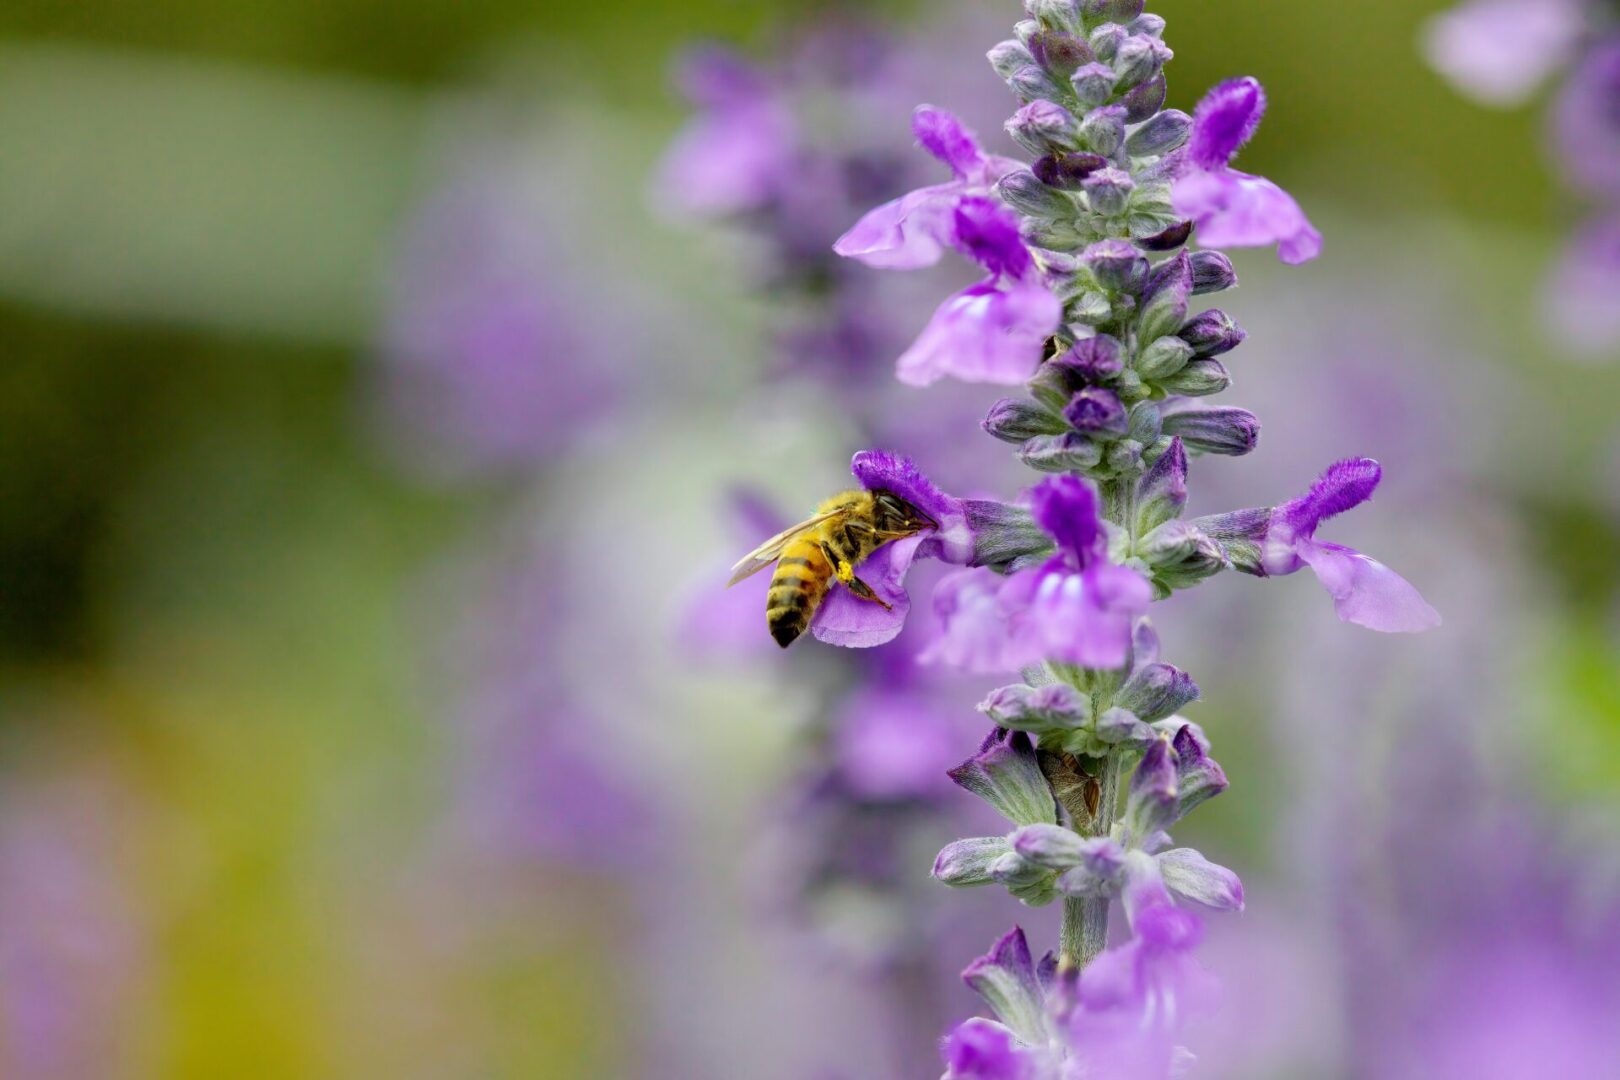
825, 548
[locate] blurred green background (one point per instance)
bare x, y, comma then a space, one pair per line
211, 570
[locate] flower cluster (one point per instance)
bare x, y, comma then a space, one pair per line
1088, 302
1500, 52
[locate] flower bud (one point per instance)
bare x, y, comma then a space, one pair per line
1101, 871
1097, 412
1095, 359
1212, 332
1168, 239
1200, 378
1150, 802
1139, 59
1093, 84
1044, 127
1103, 130
1109, 191
1151, 25
1120, 11
1060, 52
1146, 99
1161, 494
1008, 57
1006, 774
1164, 358
1068, 171
1061, 453
1181, 555
1117, 265
1155, 691
1092, 308
1051, 846
1032, 83
1165, 132
1025, 30
1016, 421
1146, 424
967, 862
1005, 978
1063, 14
1228, 431
1038, 710
1191, 876
1121, 727
1124, 457
1106, 39
1164, 303
1024, 192
1031, 882
1212, 272
1198, 776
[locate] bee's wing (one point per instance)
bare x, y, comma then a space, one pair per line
771, 550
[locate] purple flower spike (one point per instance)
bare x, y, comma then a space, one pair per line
1231, 208
914, 230
1364, 590
845, 619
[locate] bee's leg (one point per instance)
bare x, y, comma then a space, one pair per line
846, 574
864, 591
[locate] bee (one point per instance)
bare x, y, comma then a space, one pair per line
826, 548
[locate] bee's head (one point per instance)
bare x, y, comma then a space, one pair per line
893, 514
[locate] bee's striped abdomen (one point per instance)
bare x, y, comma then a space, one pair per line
797, 588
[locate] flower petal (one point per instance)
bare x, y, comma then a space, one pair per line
1224, 121
984, 334
1365, 591
942, 134
907, 233
1234, 209
845, 619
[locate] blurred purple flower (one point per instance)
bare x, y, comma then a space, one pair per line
737, 151
1586, 122
535, 779
1231, 208
1581, 292
1500, 51
1364, 590
491, 362
1076, 607
72, 942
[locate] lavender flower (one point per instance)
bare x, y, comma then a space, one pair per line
1364, 590
1231, 208
915, 229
